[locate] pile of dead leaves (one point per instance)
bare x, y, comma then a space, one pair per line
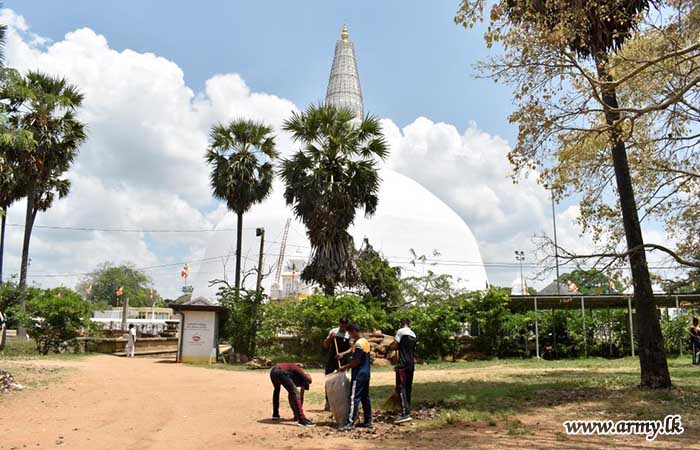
7, 383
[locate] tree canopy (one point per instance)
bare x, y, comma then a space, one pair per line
101, 286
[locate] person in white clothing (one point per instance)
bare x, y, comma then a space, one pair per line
131, 341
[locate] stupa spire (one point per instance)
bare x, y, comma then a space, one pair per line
344, 82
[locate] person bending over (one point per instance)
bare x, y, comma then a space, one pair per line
290, 376
359, 391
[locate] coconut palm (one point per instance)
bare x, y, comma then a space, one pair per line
241, 155
333, 175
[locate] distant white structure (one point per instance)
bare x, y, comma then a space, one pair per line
290, 284
139, 316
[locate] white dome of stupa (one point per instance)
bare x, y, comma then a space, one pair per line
408, 217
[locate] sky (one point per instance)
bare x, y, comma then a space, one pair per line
157, 75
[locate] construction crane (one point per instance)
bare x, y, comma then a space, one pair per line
283, 247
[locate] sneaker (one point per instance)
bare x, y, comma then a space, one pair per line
347, 427
306, 423
365, 425
276, 417
403, 418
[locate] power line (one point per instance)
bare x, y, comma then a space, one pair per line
128, 230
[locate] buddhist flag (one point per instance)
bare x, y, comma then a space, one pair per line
572, 286
120, 291
185, 272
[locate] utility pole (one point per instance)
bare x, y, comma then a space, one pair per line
556, 244
520, 256
261, 233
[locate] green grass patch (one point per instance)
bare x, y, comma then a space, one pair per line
23, 349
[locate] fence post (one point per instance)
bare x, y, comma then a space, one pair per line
629, 309
583, 327
680, 346
537, 333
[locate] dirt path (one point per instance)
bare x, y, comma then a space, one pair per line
106, 402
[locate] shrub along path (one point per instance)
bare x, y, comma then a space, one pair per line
104, 402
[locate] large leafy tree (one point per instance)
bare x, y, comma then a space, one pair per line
44, 107
102, 284
241, 155
327, 181
576, 103
380, 280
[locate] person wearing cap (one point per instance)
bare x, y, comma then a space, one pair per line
290, 376
359, 391
405, 344
338, 339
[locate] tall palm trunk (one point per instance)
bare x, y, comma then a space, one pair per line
28, 225
652, 357
239, 242
3, 218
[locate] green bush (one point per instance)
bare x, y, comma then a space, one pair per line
242, 320
9, 299
54, 317
675, 332
310, 319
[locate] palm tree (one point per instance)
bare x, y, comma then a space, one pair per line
44, 106
241, 155
333, 175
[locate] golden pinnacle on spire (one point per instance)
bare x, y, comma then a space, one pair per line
344, 33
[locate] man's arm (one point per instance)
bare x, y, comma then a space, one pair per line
351, 365
342, 355
328, 340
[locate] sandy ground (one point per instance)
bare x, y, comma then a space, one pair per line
105, 402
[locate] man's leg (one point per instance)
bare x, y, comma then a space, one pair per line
354, 401
274, 377
366, 404
401, 390
694, 350
409, 386
294, 400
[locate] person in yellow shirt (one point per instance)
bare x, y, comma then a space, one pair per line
359, 391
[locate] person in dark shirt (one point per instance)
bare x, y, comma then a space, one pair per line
360, 369
341, 336
405, 344
290, 376
3, 331
695, 341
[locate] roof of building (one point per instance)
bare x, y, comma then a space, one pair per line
551, 289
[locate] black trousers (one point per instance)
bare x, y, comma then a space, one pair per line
404, 387
694, 349
279, 379
359, 393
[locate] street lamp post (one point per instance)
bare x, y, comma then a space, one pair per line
520, 256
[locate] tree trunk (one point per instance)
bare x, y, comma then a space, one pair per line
239, 242
28, 224
3, 218
652, 357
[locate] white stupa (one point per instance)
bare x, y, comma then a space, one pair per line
409, 217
